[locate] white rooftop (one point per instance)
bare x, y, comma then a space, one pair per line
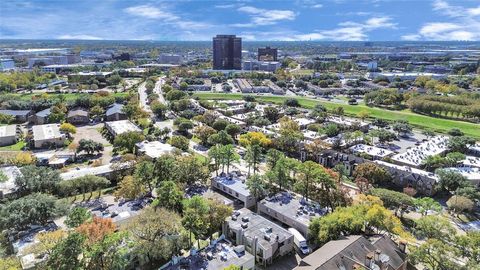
8, 131
471, 161
371, 150
154, 149
346, 121
11, 172
304, 121
234, 183
415, 156
46, 132
121, 126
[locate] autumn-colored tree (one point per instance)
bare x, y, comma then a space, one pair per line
130, 188
254, 138
97, 229
45, 242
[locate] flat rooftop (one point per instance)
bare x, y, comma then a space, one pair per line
265, 230
289, 205
99, 170
471, 161
234, 183
11, 172
345, 121
415, 156
371, 150
121, 126
8, 131
154, 149
218, 256
46, 132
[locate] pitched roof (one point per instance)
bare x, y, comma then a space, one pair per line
77, 112
115, 108
344, 253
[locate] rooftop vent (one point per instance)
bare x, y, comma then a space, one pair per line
234, 217
266, 237
245, 219
269, 230
244, 225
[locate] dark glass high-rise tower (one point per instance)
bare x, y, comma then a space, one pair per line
227, 52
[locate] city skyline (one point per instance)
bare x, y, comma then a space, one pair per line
335, 20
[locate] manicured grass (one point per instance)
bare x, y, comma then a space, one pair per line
14, 147
417, 120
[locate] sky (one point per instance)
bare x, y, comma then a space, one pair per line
286, 20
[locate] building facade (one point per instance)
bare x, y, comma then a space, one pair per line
267, 54
227, 52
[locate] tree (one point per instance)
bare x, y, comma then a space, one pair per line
218, 211
220, 124
290, 136
374, 173
253, 157
427, 204
36, 208
271, 113
460, 204
195, 217
363, 114
332, 130
68, 129
37, 179
228, 156
455, 132
130, 188
434, 226
435, 255
460, 143
273, 156
77, 216
402, 128
145, 173
159, 109
291, 102
175, 95
254, 138
89, 146
233, 130
256, 186
221, 137
450, 180
165, 167
66, 254
127, 140
190, 170
393, 199
96, 229
108, 253
169, 196
179, 142
203, 132
156, 234
24, 158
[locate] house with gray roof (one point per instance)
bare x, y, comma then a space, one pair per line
8, 135
21, 116
357, 252
115, 113
41, 117
78, 116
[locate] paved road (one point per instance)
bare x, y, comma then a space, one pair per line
142, 96
158, 89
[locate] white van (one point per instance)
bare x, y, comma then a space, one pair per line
300, 242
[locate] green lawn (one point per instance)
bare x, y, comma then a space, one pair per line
417, 120
14, 147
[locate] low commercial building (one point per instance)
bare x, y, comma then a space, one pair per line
105, 171
169, 58
261, 237
235, 187
291, 211
47, 136
21, 116
153, 149
78, 116
267, 66
115, 112
8, 135
330, 158
118, 127
84, 77
348, 123
357, 252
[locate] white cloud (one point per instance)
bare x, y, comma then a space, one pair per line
350, 31
150, 12
463, 23
81, 37
411, 37
260, 16
317, 6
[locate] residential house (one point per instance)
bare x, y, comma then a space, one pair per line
78, 116
115, 113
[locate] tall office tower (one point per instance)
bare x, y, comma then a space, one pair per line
227, 52
267, 54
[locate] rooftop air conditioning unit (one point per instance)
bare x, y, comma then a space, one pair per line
234, 217
266, 237
245, 219
244, 225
